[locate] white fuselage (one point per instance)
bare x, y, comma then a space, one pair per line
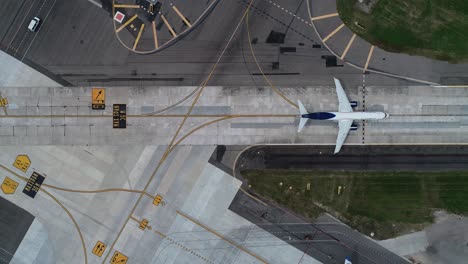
359, 116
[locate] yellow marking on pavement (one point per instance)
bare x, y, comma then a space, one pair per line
220, 236
138, 36
98, 95
119, 258
126, 23
277, 91
368, 58
181, 16
144, 224
159, 233
168, 26
126, 6
99, 248
9, 186
155, 35
169, 147
143, 116
3, 101
96, 191
22, 163
157, 200
348, 46
3, 104
324, 16
333, 32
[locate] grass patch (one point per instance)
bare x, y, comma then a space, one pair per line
386, 203
431, 28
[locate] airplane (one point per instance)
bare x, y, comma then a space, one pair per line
345, 116
347, 260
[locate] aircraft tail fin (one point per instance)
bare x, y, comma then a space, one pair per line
302, 111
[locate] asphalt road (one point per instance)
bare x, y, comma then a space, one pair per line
327, 239
76, 43
410, 158
14, 223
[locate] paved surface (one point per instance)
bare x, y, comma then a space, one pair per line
392, 158
77, 45
415, 67
421, 245
418, 115
14, 223
98, 187
18, 74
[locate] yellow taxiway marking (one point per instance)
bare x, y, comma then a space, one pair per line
126, 23
4, 104
119, 258
157, 200
22, 163
9, 186
138, 36
3, 101
99, 248
155, 35
276, 90
126, 6
144, 116
368, 58
168, 26
159, 233
98, 95
348, 46
83, 244
324, 16
181, 16
333, 32
187, 115
220, 236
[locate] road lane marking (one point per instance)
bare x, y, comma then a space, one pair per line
371, 51
333, 32
348, 46
324, 16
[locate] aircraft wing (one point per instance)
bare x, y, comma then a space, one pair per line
344, 105
344, 126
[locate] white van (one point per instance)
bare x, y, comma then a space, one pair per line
34, 24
